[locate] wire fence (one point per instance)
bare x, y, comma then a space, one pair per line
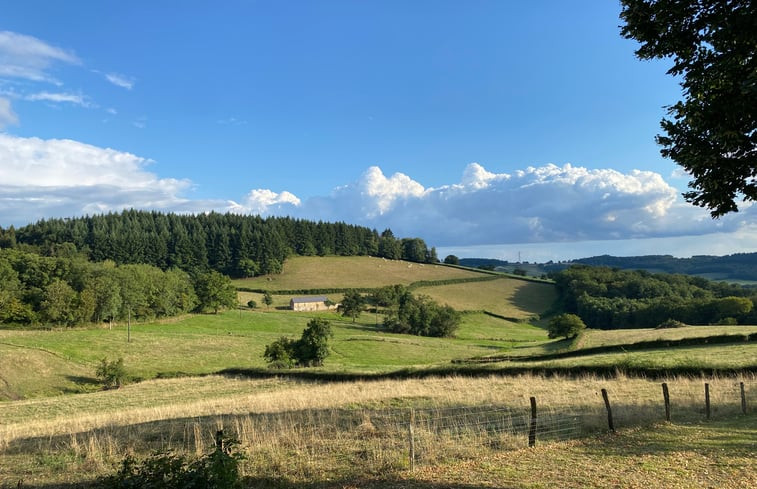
310, 441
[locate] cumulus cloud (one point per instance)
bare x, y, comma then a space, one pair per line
264, 201
7, 116
28, 58
546, 204
537, 204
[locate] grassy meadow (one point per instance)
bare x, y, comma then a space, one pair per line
324, 272
58, 427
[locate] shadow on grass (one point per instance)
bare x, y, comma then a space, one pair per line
271, 483
734, 435
530, 297
84, 381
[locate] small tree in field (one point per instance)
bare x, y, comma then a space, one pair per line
309, 351
267, 299
111, 374
352, 304
567, 325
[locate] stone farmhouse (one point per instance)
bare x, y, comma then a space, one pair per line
315, 303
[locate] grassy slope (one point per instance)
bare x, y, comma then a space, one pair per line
505, 297
64, 361
309, 272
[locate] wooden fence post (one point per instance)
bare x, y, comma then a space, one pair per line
411, 439
219, 441
609, 410
532, 425
743, 398
707, 400
666, 397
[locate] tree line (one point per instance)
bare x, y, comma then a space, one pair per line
609, 298
67, 289
233, 244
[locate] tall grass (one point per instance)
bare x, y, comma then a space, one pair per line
305, 430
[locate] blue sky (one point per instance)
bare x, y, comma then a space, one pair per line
471, 124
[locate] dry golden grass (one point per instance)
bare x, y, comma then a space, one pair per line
316, 272
315, 431
507, 297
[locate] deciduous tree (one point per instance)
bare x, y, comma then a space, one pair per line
712, 132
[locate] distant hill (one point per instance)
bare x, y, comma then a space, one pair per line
736, 267
740, 266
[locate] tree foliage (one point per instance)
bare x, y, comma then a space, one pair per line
267, 299
420, 315
567, 325
111, 374
215, 291
352, 304
310, 350
607, 298
232, 244
712, 132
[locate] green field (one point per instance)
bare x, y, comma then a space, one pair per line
177, 397
63, 361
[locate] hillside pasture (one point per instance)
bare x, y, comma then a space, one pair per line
63, 361
694, 358
344, 272
593, 338
507, 297
602, 337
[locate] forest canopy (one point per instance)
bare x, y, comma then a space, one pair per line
608, 298
232, 244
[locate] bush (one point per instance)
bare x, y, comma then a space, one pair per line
670, 323
281, 353
567, 325
111, 374
729, 321
310, 350
165, 470
252, 304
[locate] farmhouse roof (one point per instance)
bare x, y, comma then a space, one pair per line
305, 300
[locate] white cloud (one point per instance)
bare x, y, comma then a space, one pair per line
7, 116
70, 98
264, 201
61, 177
26, 57
538, 204
547, 204
122, 81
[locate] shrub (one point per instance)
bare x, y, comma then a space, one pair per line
111, 374
310, 350
670, 323
282, 353
728, 321
567, 325
252, 304
165, 470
